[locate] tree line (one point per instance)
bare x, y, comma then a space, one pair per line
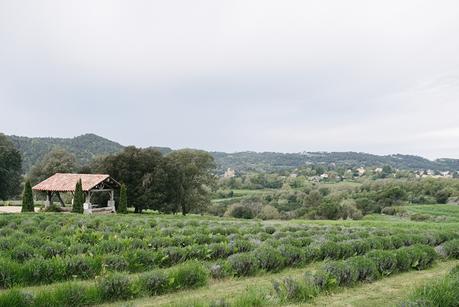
179, 181
10, 169
337, 201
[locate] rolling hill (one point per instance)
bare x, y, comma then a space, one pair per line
84, 147
88, 146
272, 161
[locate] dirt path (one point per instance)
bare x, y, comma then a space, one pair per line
11, 209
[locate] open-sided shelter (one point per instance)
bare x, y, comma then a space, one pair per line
92, 183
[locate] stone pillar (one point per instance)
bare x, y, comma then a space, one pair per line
87, 206
48, 199
111, 202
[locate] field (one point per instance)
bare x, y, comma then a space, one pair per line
49, 259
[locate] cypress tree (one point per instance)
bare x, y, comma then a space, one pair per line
78, 198
27, 198
122, 208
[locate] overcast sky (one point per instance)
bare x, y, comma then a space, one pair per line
373, 76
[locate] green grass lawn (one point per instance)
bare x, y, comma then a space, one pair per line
450, 212
386, 292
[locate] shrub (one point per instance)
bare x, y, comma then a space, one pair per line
220, 270
419, 217
389, 211
375, 243
115, 263
269, 212
115, 287
333, 250
385, 261
289, 290
7, 244
141, 260
397, 241
269, 258
243, 264
349, 210
292, 255
69, 294
404, 260
241, 246
78, 248
365, 268
8, 273
422, 256
22, 253
219, 250
240, 211
330, 250
52, 208
270, 229
52, 249
155, 283
83, 267
360, 247
110, 246
15, 298
40, 271
323, 280
173, 255
344, 273
190, 274
442, 196
452, 248
455, 271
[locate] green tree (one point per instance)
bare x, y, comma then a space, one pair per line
442, 196
56, 161
190, 179
27, 198
10, 169
78, 198
313, 199
122, 208
386, 171
142, 171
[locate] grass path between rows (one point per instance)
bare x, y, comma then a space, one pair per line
385, 292
217, 289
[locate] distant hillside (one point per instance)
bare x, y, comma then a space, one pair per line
271, 161
88, 146
84, 147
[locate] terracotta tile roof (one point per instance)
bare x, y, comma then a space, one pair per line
66, 182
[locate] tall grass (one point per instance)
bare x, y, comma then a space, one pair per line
442, 293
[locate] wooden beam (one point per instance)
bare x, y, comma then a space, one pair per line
60, 199
50, 198
102, 190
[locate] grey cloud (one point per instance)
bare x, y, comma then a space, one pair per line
235, 75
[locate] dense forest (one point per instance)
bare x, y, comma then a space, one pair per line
89, 146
